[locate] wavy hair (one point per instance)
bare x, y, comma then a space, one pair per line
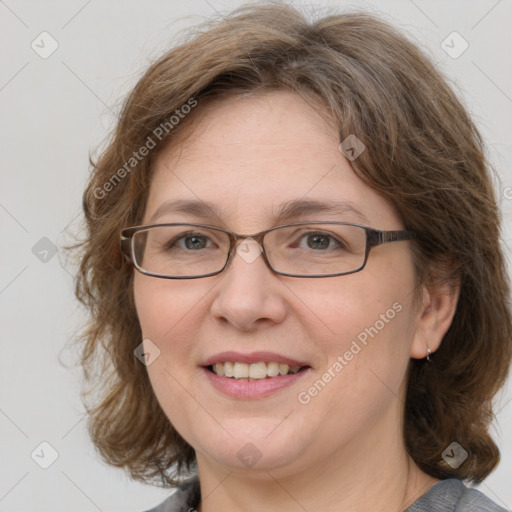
423, 153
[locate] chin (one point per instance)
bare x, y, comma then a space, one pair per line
255, 445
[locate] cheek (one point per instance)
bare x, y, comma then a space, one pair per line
169, 314
166, 307
352, 307
365, 330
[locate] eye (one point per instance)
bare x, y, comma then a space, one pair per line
190, 241
321, 241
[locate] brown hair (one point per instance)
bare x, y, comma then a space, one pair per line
423, 153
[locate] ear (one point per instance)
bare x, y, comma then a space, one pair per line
434, 317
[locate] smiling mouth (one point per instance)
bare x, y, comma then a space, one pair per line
254, 371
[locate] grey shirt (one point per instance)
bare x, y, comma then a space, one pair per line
445, 496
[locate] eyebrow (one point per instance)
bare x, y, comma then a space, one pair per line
285, 212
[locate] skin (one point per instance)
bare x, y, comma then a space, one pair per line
344, 449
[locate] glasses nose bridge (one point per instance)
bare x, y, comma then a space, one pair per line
257, 237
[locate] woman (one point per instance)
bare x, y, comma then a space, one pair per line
329, 356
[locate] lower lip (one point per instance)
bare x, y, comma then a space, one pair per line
248, 389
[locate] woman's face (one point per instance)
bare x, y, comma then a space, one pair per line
352, 335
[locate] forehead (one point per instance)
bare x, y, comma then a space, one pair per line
249, 156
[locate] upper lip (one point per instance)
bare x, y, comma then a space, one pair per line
253, 357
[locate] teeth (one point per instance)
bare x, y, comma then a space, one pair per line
255, 371
228, 369
258, 371
241, 371
272, 369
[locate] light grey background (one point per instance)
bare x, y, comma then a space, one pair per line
57, 109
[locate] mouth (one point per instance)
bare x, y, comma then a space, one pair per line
255, 371
251, 376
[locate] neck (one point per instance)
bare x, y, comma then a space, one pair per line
372, 471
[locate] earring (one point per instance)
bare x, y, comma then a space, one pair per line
429, 352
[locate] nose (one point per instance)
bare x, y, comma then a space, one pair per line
249, 294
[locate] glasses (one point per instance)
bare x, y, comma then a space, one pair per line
305, 249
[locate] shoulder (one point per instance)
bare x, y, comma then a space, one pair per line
453, 496
185, 499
